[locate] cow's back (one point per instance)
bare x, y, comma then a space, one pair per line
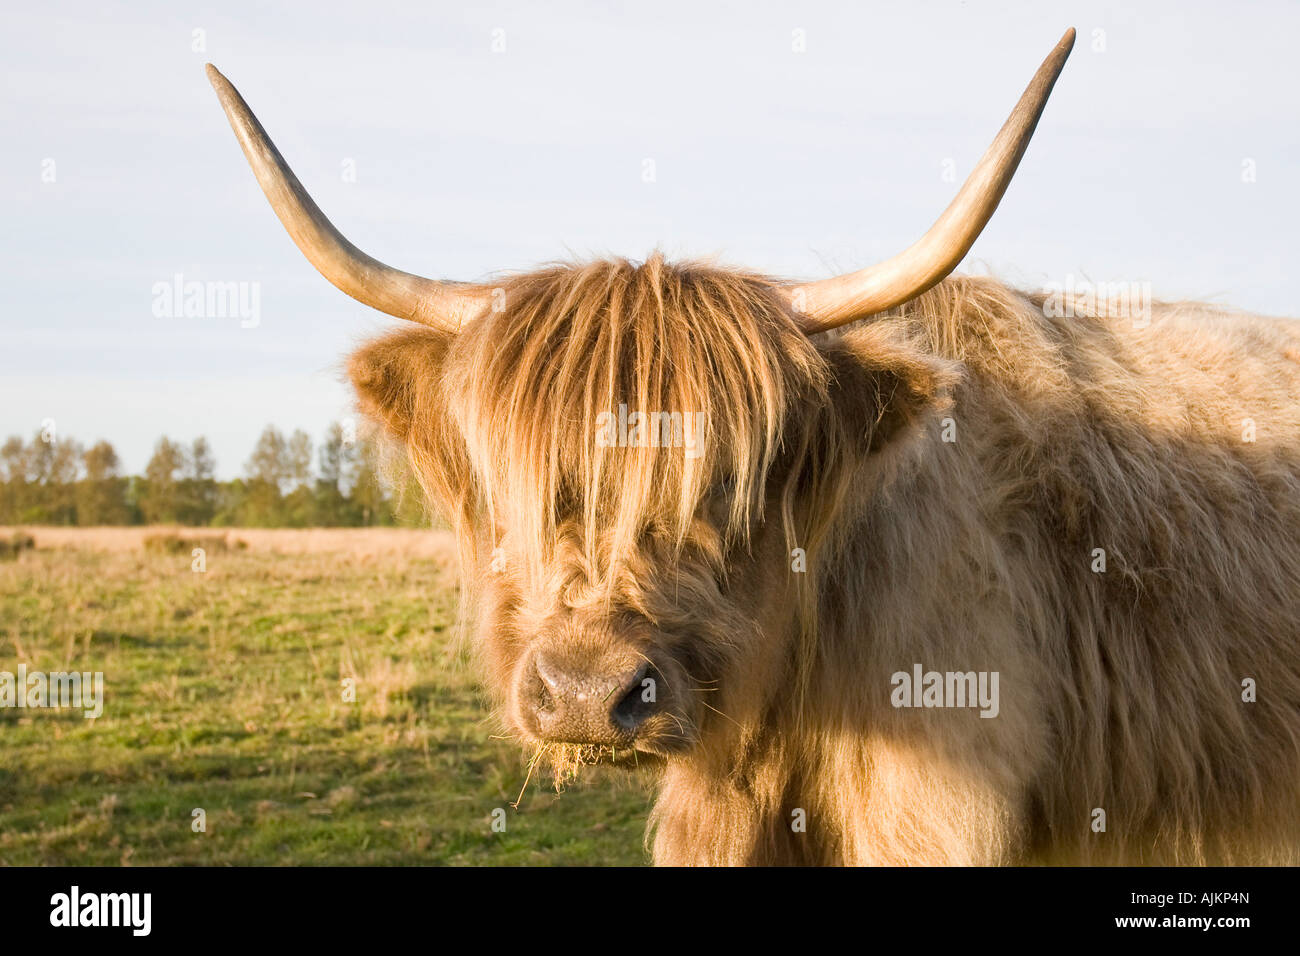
1139, 477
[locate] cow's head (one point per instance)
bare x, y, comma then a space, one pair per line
645, 463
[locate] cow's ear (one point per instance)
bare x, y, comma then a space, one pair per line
885, 388
396, 375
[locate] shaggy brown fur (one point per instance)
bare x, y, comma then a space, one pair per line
1120, 690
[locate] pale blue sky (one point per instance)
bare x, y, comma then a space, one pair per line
470, 162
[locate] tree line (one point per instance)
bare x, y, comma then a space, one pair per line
286, 484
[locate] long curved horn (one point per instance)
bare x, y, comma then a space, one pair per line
829, 303
427, 301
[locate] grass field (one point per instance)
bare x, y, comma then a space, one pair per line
224, 691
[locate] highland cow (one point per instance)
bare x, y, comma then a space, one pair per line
911, 488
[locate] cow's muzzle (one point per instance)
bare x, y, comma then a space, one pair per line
602, 701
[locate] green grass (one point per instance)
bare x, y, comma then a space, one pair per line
223, 692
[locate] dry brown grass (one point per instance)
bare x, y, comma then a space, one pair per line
356, 542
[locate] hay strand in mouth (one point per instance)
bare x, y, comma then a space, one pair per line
537, 756
567, 760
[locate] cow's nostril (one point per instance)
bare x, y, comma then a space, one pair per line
633, 708
553, 679
544, 697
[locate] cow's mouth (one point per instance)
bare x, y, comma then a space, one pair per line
567, 757
649, 748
